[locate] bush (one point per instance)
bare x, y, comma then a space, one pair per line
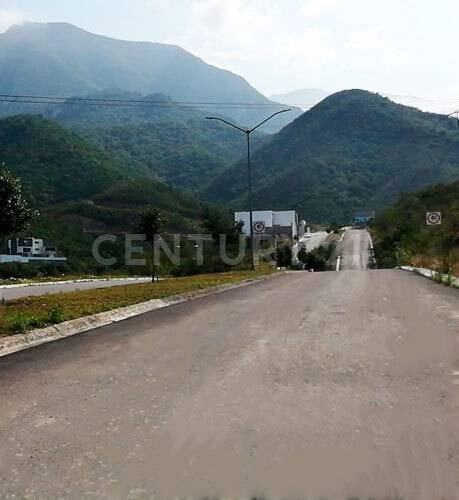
318, 258
20, 323
333, 228
56, 315
283, 256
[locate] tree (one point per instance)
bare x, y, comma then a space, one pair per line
216, 222
333, 228
15, 212
303, 255
316, 259
283, 256
151, 223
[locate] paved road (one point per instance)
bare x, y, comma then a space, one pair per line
10, 293
317, 239
354, 250
309, 385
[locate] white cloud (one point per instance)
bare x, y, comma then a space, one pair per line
260, 34
372, 42
314, 8
406, 47
10, 17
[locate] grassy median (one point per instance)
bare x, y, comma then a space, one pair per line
21, 315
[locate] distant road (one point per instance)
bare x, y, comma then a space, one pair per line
315, 241
10, 293
309, 385
354, 250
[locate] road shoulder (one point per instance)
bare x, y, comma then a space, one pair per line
19, 342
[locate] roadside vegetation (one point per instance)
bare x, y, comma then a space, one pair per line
317, 259
401, 236
21, 315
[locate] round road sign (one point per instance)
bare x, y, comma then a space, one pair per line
259, 227
433, 218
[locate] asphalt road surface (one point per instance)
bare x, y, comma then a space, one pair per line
354, 250
316, 239
10, 293
308, 385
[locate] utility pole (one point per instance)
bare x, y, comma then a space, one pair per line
247, 132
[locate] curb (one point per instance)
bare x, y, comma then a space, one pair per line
430, 274
70, 282
20, 342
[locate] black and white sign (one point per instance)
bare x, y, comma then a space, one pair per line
433, 218
259, 227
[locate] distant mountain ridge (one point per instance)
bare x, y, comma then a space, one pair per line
59, 59
353, 151
303, 98
308, 98
171, 144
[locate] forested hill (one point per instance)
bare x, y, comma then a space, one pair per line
164, 142
81, 190
402, 236
354, 150
54, 164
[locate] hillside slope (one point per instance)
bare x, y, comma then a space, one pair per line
401, 235
59, 59
354, 150
54, 164
80, 190
172, 144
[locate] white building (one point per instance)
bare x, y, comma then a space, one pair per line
30, 249
281, 223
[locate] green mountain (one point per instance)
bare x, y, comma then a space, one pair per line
54, 164
355, 150
82, 191
187, 155
175, 145
119, 108
59, 59
401, 235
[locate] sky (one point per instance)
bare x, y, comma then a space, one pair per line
406, 47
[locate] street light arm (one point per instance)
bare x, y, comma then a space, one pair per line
228, 123
269, 118
456, 114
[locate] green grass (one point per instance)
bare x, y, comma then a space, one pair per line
21, 315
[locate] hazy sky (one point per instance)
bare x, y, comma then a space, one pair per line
394, 46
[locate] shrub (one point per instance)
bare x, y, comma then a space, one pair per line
20, 323
56, 315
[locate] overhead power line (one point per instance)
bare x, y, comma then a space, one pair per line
146, 103
89, 101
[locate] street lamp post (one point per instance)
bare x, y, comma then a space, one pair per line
247, 132
456, 114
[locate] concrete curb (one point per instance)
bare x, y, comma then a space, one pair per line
21, 342
430, 274
70, 282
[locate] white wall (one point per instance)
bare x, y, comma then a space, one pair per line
265, 216
269, 218
286, 218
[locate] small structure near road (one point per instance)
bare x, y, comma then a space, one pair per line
361, 219
29, 249
283, 223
